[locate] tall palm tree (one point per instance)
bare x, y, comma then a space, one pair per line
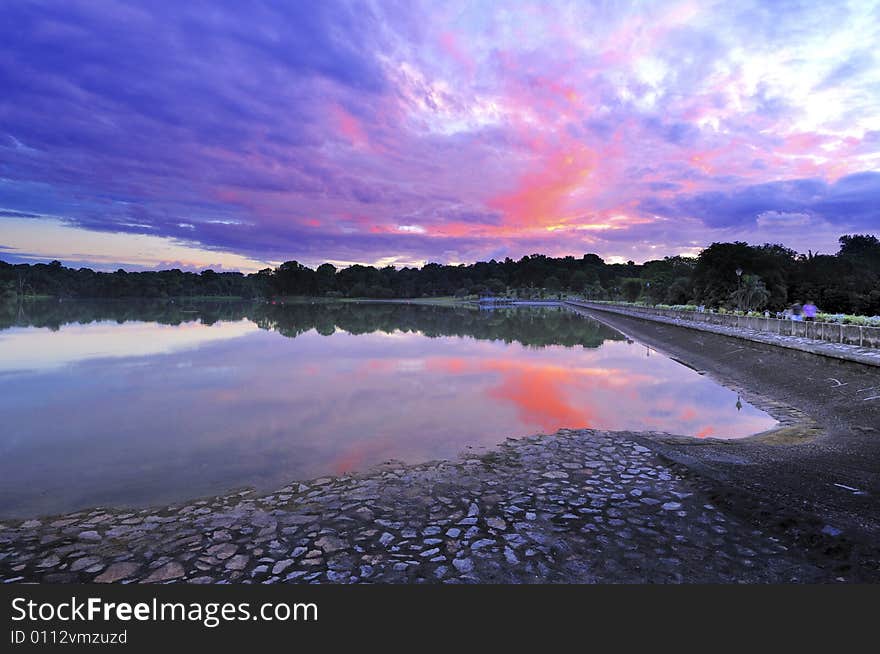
751, 294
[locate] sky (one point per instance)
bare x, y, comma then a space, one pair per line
236, 135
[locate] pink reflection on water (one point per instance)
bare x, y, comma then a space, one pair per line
260, 409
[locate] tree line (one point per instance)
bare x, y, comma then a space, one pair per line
539, 327
732, 275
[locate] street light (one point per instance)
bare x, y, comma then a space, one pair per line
739, 273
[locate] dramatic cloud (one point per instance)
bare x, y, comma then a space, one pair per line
247, 133
851, 201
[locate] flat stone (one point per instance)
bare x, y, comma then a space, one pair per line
330, 544
89, 535
300, 519
281, 566
364, 514
62, 523
463, 565
84, 562
238, 562
117, 572
496, 523
222, 551
171, 570
831, 531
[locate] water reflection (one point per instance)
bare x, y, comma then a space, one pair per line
149, 412
32, 349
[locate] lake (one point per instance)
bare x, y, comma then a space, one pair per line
131, 404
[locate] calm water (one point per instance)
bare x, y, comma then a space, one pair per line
147, 403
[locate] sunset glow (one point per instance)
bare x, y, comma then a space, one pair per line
194, 135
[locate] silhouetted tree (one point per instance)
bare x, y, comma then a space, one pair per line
751, 294
848, 281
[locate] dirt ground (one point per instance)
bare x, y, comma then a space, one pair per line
825, 467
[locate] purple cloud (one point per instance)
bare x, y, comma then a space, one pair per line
415, 131
852, 202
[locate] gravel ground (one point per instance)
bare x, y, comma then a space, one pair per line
826, 463
575, 506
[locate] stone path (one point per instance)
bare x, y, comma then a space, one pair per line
866, 355
575, 506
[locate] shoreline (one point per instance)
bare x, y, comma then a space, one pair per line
827, 463
580, 505
577, 506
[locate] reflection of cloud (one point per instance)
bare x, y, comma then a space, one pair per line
541, 392
208, 411
43, 349
357, 455
540, 398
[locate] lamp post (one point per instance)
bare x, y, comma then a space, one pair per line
739, 273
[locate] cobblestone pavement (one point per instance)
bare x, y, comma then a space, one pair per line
575, 506
866, 355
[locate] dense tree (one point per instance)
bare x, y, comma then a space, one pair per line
56, 280
552, 283
632, 288
715, 273
751, 294
862, 250
848, 281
